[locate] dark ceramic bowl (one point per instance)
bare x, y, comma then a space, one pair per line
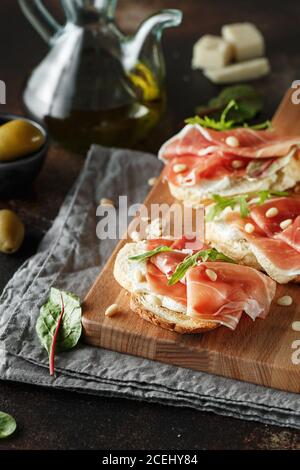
17, 175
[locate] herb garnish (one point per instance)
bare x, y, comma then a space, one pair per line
212, 123
210, 254
150, 253
262, 125
233, 107
7, 425
221, 203
59, 323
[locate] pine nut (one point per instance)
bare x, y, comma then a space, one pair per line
232, 141
112, 310
152, 181
139, 276
285, 223
179, 167
106, 202
272, 212
249, 228
211, 274
285, 301
145, 219
296, 325
135, 236
237, 164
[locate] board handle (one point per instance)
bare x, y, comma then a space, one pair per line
286, 120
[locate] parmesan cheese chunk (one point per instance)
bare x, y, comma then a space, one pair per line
246, 40
244, 71
211, 52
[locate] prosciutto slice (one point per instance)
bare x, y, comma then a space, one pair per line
236, 289
207, 167
195, 140
277, 249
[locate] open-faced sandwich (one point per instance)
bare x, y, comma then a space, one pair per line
261, 231
190, 291
201, 162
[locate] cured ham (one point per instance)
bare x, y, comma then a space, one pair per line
207, 167
207, 155
222, 300
276, 247
195, 140
237, 289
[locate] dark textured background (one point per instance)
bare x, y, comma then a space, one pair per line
64, 420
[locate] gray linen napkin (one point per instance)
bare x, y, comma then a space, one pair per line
70, 257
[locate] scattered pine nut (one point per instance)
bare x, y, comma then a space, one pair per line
232, 141
179, 167
111, 310
237, 164
285, 301
152, 181
296, 325
106, 202
285, 223
211, 274
272, 212
249, 228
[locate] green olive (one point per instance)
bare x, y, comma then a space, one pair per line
11, 231
19, 138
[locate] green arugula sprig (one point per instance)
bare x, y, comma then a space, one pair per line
150, 253
221, 203
264, 195
223, 124
211, 123
258, 127
210, 254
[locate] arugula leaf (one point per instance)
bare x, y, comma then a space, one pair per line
249, 101
264, 195
244, 209
211, 123
263, 125
190, 261
59, 324
150, 253
221, 203
8, 425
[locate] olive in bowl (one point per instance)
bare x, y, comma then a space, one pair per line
23, 148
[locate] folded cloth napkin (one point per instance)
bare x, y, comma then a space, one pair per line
70, 257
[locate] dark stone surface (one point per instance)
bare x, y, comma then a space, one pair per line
49, 419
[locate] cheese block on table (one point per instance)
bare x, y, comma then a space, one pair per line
243, 71
246, 40
211, 52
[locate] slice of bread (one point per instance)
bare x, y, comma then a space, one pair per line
285, 177
149, 306
232, 242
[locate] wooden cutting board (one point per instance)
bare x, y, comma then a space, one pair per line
259, 352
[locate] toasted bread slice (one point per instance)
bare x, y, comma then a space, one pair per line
159, 310
232, 242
